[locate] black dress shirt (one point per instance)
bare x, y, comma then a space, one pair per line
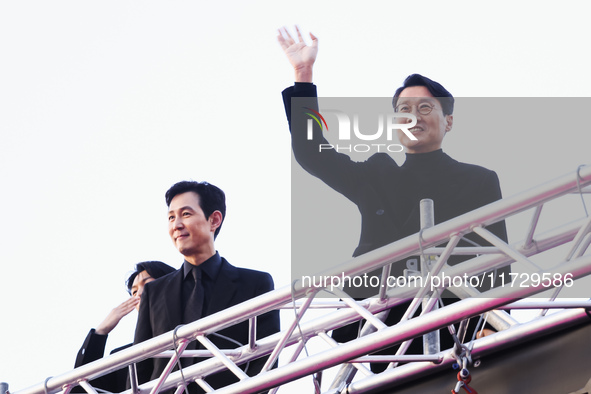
210, 269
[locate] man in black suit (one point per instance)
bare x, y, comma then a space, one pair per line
204, 285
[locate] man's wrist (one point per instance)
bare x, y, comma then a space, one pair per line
100, 331
303, 74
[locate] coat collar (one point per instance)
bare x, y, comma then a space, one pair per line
226, 286
224, 290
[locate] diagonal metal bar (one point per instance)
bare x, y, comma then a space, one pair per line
204, 385
584, 246
532, 226
222, 357
406, 344
363, 312
347, 371
179, 390
585, 229
281, 345
87, 387
171, 363
434, 271
299, 347
504, 247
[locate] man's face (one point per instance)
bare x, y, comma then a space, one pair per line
191, 233
137, 287
430, 129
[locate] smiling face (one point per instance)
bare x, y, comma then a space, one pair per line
191, 232
430, 129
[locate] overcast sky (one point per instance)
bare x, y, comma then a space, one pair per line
104, 105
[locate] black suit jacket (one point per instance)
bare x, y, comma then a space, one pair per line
93, 349
161, 312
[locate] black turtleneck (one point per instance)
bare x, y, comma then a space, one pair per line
387, 194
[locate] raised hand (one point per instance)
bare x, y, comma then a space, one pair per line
115, 316
300, 55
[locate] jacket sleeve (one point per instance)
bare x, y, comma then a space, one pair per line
490, 191
143, 332
92, 349
499, 228
267, 324
335, 169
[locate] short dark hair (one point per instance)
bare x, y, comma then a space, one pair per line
156, 269
211, 198
435, 88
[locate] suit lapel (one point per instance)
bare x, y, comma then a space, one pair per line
225, 288
171, 298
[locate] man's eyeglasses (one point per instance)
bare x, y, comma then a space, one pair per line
423, 108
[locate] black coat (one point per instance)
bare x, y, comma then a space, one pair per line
93, 349
388, 195
161, 311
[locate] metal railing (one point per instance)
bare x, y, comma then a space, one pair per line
576, 264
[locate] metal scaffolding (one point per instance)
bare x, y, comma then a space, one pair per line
354, 376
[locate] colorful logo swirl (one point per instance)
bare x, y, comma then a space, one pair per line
315, 116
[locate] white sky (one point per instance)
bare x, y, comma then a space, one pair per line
104, 105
